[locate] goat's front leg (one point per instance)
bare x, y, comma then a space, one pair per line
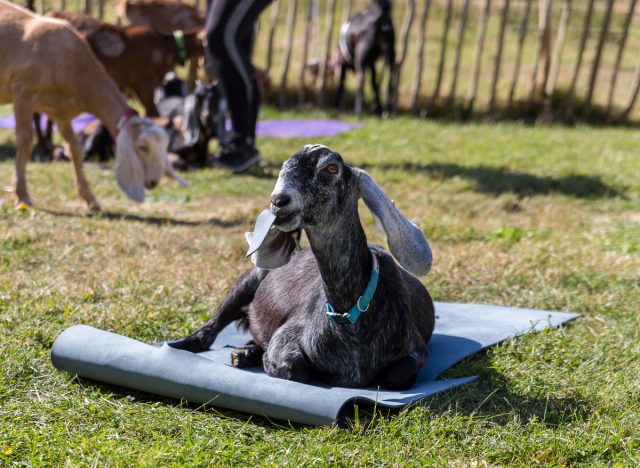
24, 136
233, 307
339, 94
192, 75
376, 89
77, 158
359, 90
284, 358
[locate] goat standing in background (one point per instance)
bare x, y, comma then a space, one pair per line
136, 57
47, 67
342, 311
163, 17
363, 39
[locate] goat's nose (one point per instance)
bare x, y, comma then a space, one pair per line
151, 184
280, 200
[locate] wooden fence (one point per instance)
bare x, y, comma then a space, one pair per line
550, 59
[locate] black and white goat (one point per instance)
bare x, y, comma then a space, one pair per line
191, 121
320, 315
363, 39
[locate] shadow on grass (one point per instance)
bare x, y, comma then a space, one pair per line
154, 220
491, 398
497, 180
7, 152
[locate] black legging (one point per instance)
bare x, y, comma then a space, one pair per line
230, 26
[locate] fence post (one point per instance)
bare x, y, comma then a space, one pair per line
634, 93
331, 14
87, 7
346, 11
443, 52
576, 72
596, 61
394, 76
556, 59
522, 35
291, 18
417, 76
496, 70
272, 31
477, 56
305, 49
456, 67
541, 74
616, 67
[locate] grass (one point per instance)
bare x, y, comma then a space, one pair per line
542, 217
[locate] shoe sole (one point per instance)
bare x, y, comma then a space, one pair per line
242, 167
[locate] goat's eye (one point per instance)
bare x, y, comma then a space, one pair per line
331, 169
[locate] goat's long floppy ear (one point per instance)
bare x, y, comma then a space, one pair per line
406, 242
190, 121
270, 248
129, 168
108, 43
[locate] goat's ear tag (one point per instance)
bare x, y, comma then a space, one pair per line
263, 225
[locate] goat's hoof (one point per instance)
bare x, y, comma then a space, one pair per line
94, 206
248, 356
190, 343
24, 205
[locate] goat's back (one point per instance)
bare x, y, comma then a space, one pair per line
163, 16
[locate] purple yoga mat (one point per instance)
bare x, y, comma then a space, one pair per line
9, 121
273, 128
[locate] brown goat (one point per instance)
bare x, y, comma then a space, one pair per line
45, 66
163, 17
136, 57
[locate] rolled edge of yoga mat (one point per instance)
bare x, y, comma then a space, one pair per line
118, 360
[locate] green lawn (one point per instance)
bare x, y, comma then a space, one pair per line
539, 217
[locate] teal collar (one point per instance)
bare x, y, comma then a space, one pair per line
363, 302
178, 35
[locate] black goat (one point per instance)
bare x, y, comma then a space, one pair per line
363, 39
297, 314
199, 118
203, 118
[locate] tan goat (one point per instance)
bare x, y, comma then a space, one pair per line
47, 67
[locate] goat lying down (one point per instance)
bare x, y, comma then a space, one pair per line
321, 315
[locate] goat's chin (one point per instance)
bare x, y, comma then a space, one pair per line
290, 223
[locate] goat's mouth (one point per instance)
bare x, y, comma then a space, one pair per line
287, 222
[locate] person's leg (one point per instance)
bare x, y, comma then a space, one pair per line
229, 28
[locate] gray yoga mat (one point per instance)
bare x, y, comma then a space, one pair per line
461, 330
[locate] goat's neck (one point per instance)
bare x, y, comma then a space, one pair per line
108, 105
343, 258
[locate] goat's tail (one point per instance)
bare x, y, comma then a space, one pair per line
232, 307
